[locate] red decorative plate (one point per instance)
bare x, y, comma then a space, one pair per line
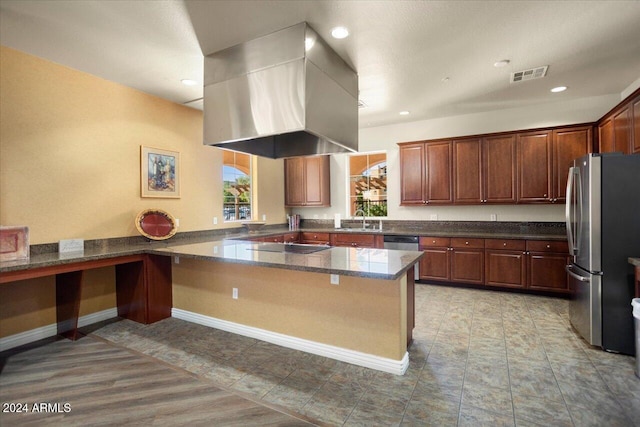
156, 224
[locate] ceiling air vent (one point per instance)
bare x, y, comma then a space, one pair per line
530, 74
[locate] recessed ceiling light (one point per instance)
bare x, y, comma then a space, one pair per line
339, 32
404, 113
189, 82
501, 63
559, 89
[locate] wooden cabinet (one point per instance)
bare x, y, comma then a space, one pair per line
315, 238
426, 173
568, 145
435, 264
357, 240
505, 263
619, 130
499, 173
455, 260
534, 166
485, 170
307, 181
467, 171
546, 261
506, 168
544, 159
636, 126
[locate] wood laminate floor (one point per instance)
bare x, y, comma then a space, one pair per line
94, 383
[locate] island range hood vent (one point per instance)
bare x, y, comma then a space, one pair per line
286, 94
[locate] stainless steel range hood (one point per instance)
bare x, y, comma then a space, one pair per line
282, 95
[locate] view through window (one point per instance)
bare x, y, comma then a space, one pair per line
236, 175
368, 184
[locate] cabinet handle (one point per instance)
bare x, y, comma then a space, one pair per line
548, 246
544, 195
466, 243
504, 244
524, 253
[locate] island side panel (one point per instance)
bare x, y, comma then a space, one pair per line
361, 314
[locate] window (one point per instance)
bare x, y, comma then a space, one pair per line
368, 184
236, 175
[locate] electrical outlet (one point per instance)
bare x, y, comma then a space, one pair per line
234, 294
434, 217
264, 217
494, 217
215, 220
176, 259
335, 279
177, 222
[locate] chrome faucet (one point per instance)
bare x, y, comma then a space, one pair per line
364, 217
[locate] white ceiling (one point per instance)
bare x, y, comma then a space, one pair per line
402, 50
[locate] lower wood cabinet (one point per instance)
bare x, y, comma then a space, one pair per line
505, 263
315, 238
455, 260
357, 240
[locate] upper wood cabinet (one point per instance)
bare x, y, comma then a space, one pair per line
485, 169
534, 166
636, 126
619, 130
426, 173
568, 145
307, 181
518, 167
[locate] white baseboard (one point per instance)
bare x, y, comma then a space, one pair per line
48, 331
398, 367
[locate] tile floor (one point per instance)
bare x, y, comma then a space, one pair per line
478, 358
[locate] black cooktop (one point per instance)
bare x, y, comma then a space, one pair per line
294, 248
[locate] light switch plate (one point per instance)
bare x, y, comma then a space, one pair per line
434, 217
335, 279
494, 217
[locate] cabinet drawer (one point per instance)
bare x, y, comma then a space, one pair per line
276, 239
557, 246
434, 242
357, 240
291, 237
460, 242
507, 244
314, 237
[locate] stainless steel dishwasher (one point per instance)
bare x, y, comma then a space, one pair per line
404, 243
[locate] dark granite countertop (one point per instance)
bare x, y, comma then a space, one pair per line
47, 254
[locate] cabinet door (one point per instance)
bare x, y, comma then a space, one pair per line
412, 174
294, 182
505, 268
568, 145
606, 143
467, 265
534, 167
354, 240
622, 130
439, 172
467, 166
499, 177
545, 271
317, 181
636, 126
434, 265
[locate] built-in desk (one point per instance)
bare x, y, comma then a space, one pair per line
143, 287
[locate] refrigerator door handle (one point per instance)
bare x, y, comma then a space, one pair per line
576, 276
568, 210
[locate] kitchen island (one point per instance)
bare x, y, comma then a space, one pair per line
351, 304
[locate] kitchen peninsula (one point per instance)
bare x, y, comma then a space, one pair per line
286, 298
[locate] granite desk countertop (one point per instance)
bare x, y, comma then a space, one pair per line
360, 262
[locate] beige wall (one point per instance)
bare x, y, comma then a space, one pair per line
365, 315
70, 168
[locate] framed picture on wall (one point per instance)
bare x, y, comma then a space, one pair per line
159, 172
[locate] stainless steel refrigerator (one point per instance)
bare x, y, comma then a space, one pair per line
603, 229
